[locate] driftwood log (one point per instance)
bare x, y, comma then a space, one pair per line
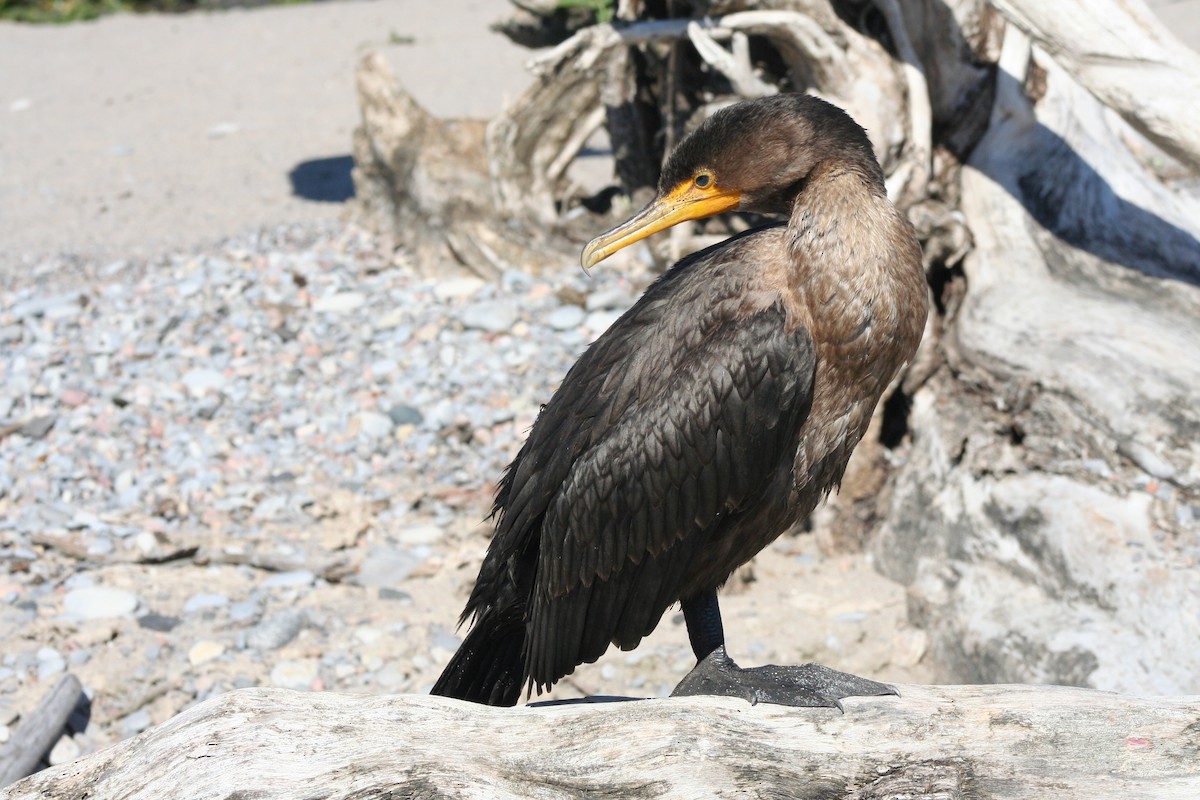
944, 742
38, 732
1035, 477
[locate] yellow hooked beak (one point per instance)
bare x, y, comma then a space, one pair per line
686, 201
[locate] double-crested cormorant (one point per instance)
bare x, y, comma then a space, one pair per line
709, 418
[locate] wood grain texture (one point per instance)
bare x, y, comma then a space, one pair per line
946, 742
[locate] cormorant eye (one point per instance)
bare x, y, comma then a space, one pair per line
703, 180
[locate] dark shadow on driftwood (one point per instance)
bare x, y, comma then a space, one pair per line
587, 701
325, 180
1073, 201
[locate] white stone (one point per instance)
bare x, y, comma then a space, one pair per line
202, 380
340, 303
420, 534
457, 287
66, 749
368, 636
204, 651
493, 317
375, 425
298, 674
564, 318
99, 602
300, 577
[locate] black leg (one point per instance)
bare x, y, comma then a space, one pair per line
807, 685
703, 618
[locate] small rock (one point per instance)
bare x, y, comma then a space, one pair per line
100, 547
375, 425
135, 723
243, 611
400, 596
5, 734
270, 507
203, 380
66, 749
298, 674
368, 636
50, 663
38, 427
608, 299
300, 577
198, 602
340, 302
565, 318
73, 398
99, 602
276, 631
392, 679
494, 317
388, 566
405, 415
420, 534
204, 651
157, 622
457, 287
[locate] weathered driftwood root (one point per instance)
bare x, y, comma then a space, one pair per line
945, 742
39, 730
426, 183
1045, 515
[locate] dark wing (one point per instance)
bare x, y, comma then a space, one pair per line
687, 429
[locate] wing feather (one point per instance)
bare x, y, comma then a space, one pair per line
692, 448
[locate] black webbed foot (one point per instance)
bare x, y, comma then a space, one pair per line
805, 685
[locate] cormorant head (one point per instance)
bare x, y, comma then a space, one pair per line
751, 156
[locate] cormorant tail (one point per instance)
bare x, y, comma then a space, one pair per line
489, 666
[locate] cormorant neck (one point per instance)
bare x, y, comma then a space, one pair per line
838, 211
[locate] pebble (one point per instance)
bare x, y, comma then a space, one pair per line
204, 651
50, 663
65, 749
375, 425
340, 302
420, 534
158, 622
565, 318
279, 580
198, 602
135, 723
391, 678
276, 631
298, 674
493, 317
99, 602
201, 381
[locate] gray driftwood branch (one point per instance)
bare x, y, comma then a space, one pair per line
932, 742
